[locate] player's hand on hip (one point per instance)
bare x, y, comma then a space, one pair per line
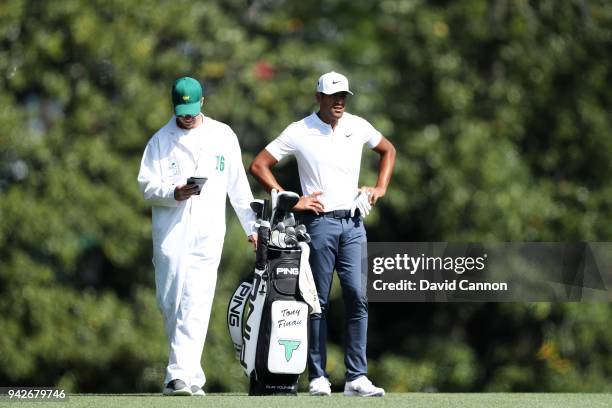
183, 192
374, 193
310, 203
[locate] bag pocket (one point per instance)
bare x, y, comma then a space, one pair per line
288, 347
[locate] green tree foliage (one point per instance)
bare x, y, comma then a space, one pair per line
500, 112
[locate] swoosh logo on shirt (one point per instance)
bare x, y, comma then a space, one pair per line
348, 135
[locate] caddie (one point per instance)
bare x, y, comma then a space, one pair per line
189, 224
328, 145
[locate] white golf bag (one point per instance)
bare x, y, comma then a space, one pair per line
268, 313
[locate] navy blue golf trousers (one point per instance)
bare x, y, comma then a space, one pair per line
340, 244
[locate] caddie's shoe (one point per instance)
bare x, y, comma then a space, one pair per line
362, 387
197, 391
177, 388
320, 386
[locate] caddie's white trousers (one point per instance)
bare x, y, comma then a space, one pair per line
186, 289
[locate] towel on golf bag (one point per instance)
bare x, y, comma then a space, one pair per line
308, 289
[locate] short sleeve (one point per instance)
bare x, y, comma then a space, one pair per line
282, 146
371, 136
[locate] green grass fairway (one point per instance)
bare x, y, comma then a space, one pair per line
416, 400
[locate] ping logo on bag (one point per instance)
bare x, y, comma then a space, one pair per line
290, 346
287, 270
234, 314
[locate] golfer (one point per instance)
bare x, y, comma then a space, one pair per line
328, 146
189, 224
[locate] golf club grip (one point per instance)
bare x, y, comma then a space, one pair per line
265, 212
261, 256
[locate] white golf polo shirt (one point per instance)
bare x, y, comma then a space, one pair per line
328, 160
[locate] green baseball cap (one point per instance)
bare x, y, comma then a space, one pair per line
186, 96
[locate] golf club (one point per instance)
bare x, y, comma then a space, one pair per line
301, 234
289, 220
285, 201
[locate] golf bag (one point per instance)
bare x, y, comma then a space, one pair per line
268, 313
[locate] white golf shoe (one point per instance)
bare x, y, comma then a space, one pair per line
197, 391
362, 387
177, 387
320, 386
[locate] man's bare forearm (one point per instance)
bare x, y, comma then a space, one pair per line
386, 163
261, 169
266, 179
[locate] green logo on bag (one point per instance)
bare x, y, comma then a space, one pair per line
290, 346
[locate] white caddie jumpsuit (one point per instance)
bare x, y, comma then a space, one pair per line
188, 235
